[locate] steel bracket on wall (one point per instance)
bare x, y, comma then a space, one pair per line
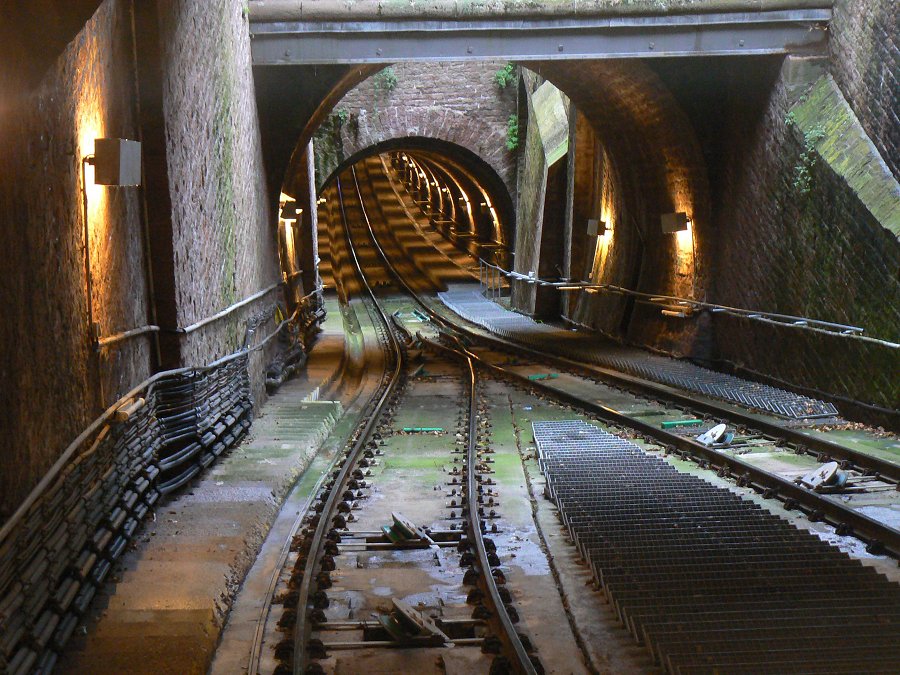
527, 39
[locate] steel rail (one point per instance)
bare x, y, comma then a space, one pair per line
820, 446
509, 635
302, 628
860, 525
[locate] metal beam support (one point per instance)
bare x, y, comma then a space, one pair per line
348, 42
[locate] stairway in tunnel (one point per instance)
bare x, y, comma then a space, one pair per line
325, 265
461, 259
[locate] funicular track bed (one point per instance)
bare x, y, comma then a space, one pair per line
364, 577
638, 397
412, 466
762, 452
710, 582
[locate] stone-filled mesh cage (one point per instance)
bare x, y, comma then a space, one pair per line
58, 549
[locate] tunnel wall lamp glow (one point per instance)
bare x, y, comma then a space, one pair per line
674, 222
116, 162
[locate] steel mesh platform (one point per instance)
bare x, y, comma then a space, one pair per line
708, 581
474, 307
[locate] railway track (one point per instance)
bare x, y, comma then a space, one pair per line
707, 580
878, 536
700, 636
326, 534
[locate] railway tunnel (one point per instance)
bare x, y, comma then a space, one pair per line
503, 337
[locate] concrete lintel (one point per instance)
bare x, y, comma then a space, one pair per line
353, 41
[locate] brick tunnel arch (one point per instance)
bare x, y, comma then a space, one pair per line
446, 126
456, 159
650, 162
650, 157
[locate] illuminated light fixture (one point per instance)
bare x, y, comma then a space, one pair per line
674, 222
289, 211
321, 200
673, 314
116, 161
597, 228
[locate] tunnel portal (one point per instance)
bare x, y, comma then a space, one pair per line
449, 337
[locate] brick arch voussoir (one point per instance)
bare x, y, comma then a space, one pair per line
461, 129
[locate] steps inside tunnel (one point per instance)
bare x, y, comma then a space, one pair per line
495, 335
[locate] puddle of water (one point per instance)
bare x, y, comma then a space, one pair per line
889, 515
529, 557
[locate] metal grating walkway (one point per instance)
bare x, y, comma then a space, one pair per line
474, 307
708, 581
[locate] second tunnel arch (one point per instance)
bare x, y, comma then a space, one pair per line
457, 161
653, 152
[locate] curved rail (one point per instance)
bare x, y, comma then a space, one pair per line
509, 636
848, 521
302, 627
821, 446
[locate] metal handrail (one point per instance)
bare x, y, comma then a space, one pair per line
64, 459
666, 301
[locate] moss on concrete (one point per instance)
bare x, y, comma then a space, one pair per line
830, 126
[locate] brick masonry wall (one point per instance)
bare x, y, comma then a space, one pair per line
456, 102
818, 253
48, 373
656, 166
224, 231
865, 62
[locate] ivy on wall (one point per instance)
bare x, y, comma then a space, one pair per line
512, 132
385, 81
802, 182
506, 75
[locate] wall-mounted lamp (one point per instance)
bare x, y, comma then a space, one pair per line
116, 162
290, 211
597, 227
674, 222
